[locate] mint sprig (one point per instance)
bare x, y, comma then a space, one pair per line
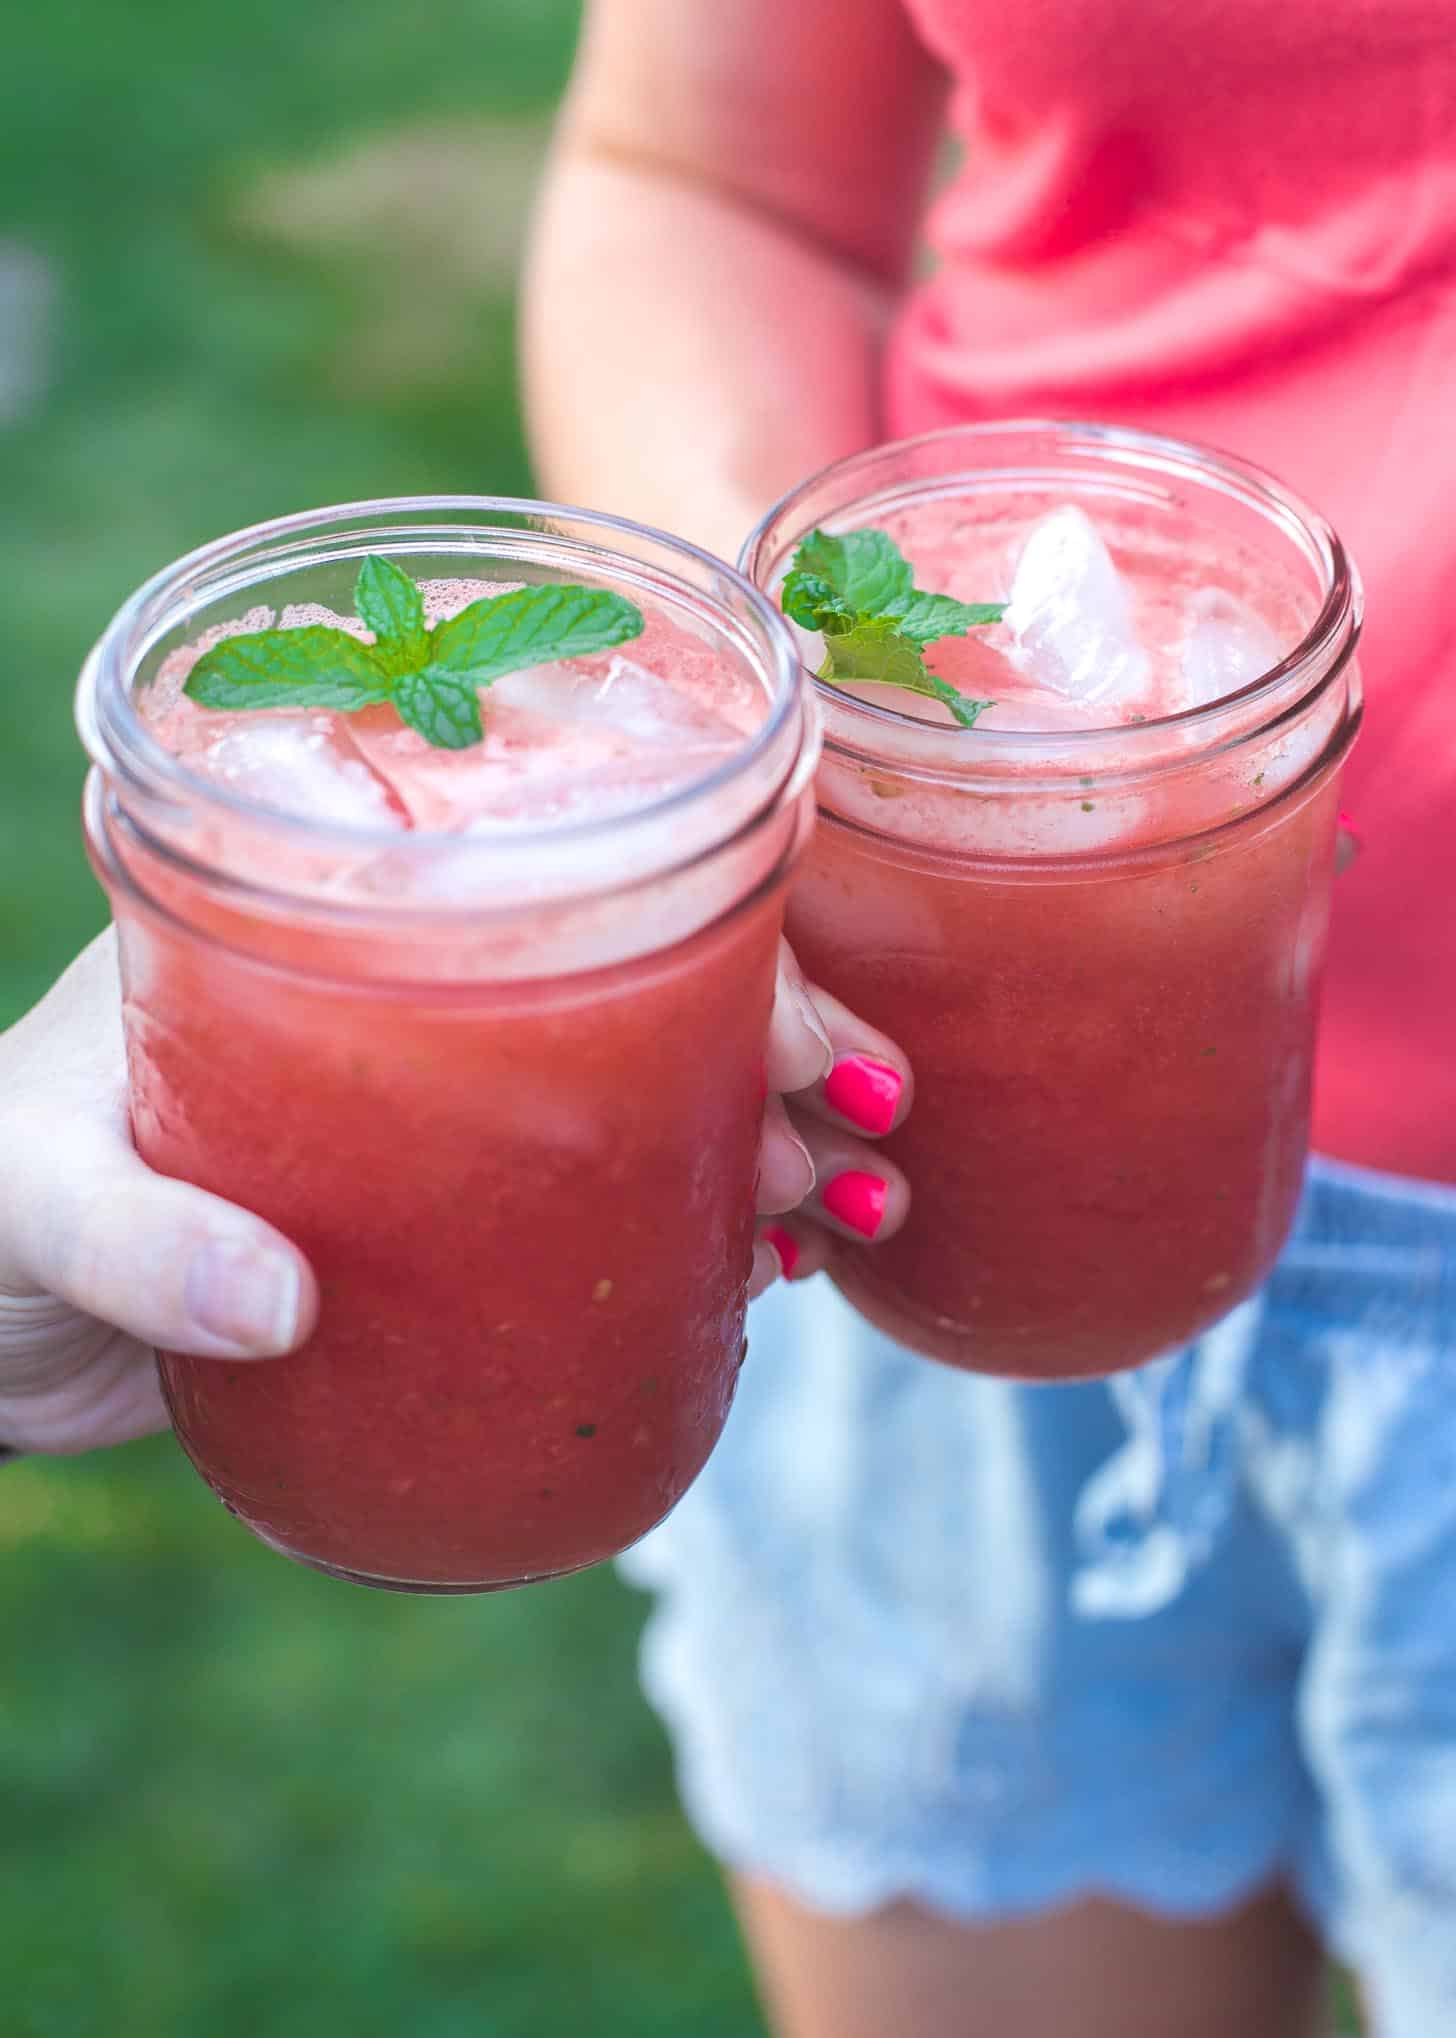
390, 604
857, 589
431, 677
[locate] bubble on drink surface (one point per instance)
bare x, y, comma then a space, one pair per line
1071, 614
303, 615
1226, 647
162, 701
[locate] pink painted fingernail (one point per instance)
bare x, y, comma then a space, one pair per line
786, 1246
858, 1200
864, 1091
1347, 822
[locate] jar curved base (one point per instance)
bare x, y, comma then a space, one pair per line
424, 1588
1033, 1360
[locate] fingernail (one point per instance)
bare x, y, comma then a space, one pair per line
865, 1092
1347, 822
785, 1245
245, 1296
858, 1200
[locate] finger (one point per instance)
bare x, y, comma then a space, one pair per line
767, 1268
858, 1192
792, 1249
71, 1383
869, 1085
799, 1050
785, 1169
81, 1218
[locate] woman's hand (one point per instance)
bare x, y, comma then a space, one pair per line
834, 1085
100, 1259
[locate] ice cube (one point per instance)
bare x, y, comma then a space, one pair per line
1070, 613
530, 771
301, 764
515, 774
576, 740
617, 693
1226, 646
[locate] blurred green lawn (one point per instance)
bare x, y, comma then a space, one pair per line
239, 1799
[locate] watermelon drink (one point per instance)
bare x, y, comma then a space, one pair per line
481, 1028
1094, 918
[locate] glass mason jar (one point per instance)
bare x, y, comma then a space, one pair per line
1100, 948
503, 1091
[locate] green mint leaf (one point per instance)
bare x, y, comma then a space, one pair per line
813, 605
875, 650
389, 603
866, 569
961, 705
858, 591
433, 677
311, 667
531, 626
925, 617
443, 706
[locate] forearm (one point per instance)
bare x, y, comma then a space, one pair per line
688, 355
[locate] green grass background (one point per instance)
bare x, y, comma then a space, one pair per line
236, 1799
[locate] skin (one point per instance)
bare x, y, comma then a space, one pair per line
724, 231
101, 1260
1097, 1969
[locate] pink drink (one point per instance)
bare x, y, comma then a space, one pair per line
483, 1031
1095, 920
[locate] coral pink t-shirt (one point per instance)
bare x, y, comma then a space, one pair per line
1236, 222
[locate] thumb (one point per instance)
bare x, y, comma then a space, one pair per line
82, 1218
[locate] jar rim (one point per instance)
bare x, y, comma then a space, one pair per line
125, 751
1321, 652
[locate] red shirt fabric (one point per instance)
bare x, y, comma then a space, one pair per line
1237, 223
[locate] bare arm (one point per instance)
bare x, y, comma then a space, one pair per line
725, 226
724, 229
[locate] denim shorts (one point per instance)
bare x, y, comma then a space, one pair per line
989, 1646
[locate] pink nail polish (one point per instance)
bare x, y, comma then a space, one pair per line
864, 1091
786, 1246
1347, 822
858, 1200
